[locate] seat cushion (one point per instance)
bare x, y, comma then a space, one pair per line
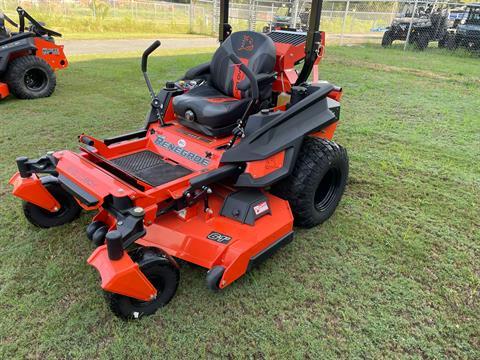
16, 37
210, 107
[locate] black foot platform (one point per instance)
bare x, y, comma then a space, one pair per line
150, 168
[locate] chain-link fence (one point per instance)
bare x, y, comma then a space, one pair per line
345, 22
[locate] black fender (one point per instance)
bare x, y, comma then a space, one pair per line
13, 47
285, 132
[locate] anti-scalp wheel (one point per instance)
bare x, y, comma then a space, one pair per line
163, 276
69, 209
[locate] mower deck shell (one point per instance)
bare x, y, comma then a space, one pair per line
187, 235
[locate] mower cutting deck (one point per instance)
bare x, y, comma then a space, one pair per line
229, 158
28, 58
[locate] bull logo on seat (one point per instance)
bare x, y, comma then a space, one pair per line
247, 43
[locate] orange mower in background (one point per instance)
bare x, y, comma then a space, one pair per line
229, 158
29, 58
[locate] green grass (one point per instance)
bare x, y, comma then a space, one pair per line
394, 273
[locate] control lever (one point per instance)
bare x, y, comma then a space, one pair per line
156, 103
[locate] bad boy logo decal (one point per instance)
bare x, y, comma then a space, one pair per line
177, 149
46, 51
247, 43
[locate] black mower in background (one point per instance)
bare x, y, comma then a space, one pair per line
29, 58
426, 21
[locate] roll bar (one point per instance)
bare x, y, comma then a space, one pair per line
10, 21
225, 29
312, 45
40, 29
313, 42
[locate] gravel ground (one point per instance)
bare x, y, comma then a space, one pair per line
84, 47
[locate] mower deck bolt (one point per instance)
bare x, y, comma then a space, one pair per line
138, 210
120, 223
55, 209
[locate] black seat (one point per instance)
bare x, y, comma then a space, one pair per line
214, 107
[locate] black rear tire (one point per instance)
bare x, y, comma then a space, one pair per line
69, 209
387, 39
422, 40
317, 182
442, 43
451, 42
161, 273
30, 77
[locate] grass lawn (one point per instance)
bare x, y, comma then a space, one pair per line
394, 273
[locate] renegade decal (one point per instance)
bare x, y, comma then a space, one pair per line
46, 51
162, 142
220, 238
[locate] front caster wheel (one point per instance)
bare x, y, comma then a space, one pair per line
96, 232
163, 276
316, 184
69, 209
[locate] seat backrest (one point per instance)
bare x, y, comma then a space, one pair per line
255, 50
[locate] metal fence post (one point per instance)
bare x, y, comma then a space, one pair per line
407, 40
344, 21
190, 17
252, 15
295, 14
216, 15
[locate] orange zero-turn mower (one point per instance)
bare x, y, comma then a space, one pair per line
229, 158
28, 58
